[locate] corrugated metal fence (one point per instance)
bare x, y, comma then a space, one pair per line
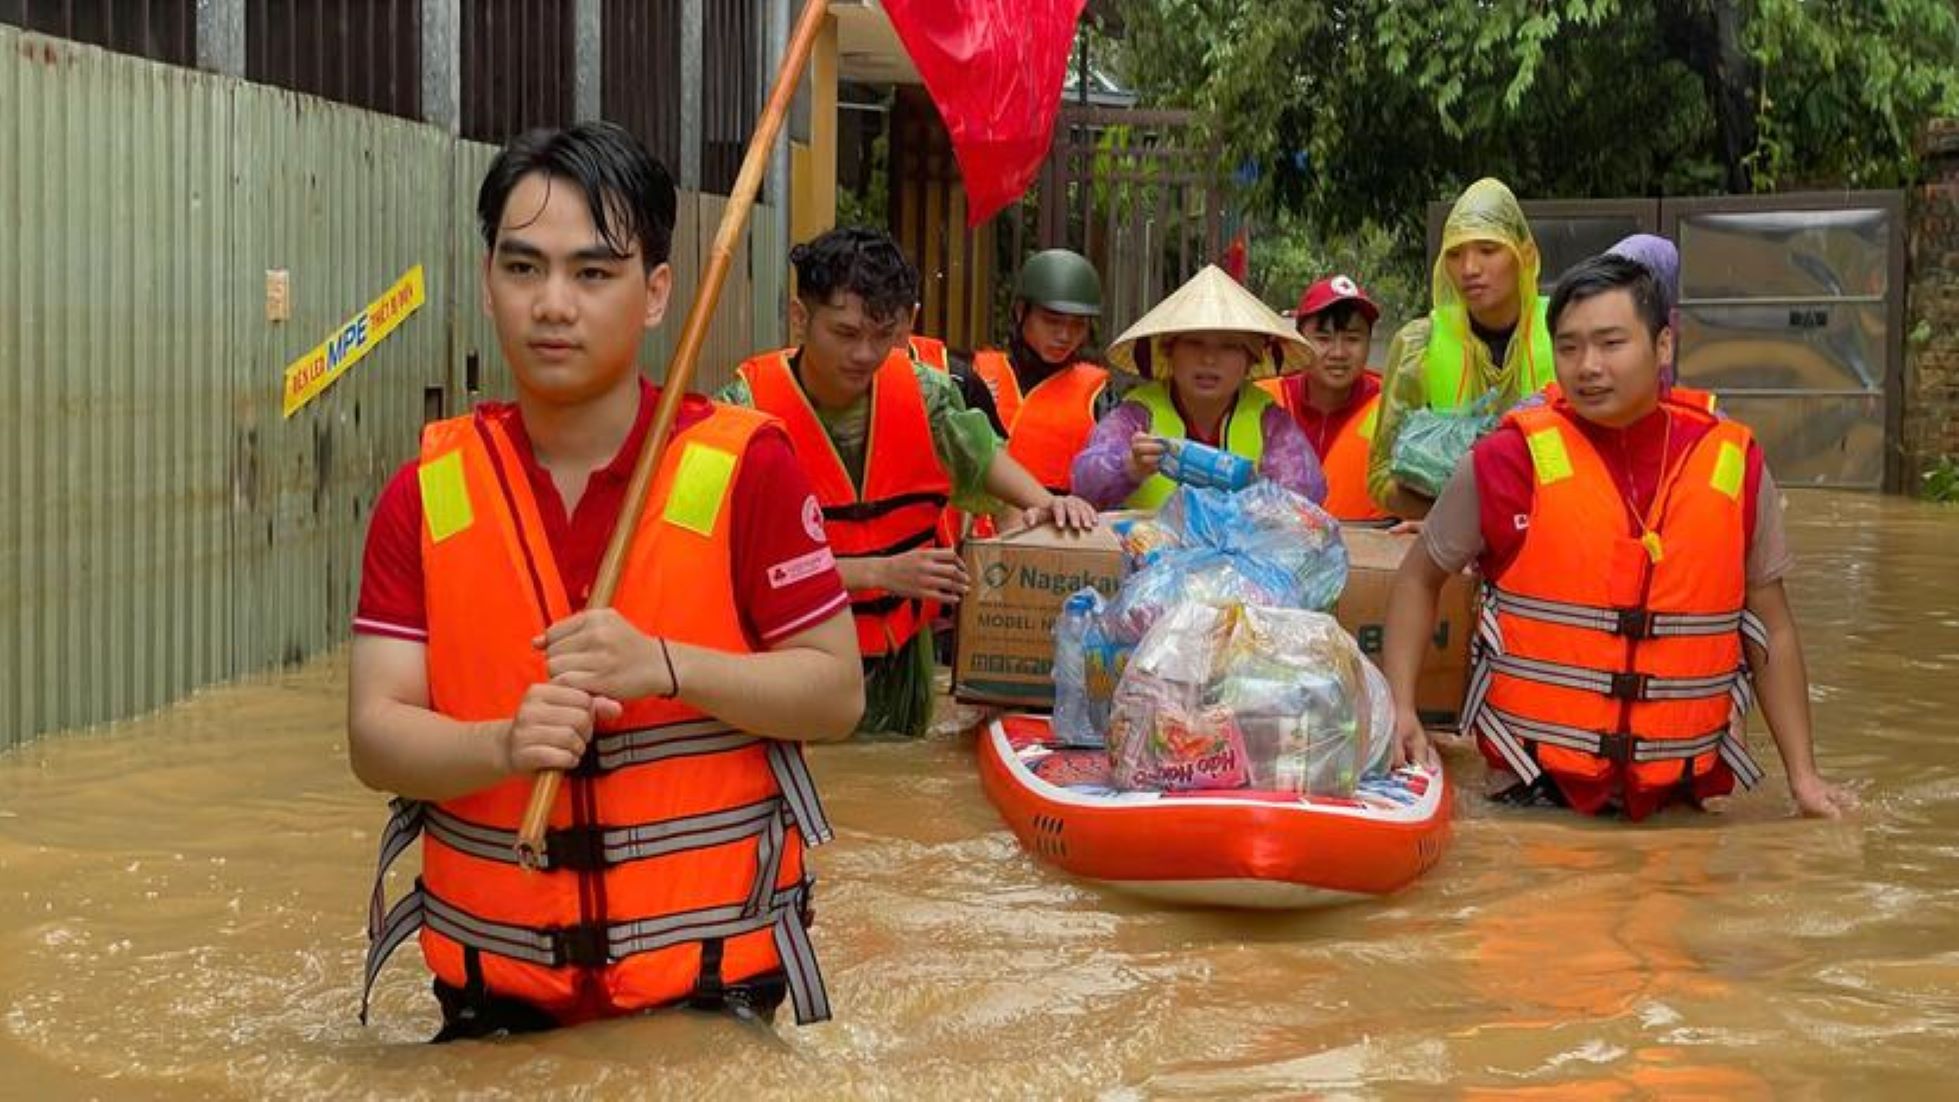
161, 526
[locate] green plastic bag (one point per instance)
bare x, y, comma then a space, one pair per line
1432, 443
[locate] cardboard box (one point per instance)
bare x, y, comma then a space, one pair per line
1005, 652
1373, 556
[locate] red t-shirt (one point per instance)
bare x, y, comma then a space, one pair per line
1322, 429
1635, 456
784, 573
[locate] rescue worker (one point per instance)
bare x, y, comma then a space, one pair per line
1201, 346
840, 391
674, 869
1484, 332
1336, 401
1048, 394
1634, 552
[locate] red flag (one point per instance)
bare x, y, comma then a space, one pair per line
1237, 256
994, 68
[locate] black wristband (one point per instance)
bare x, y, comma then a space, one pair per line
673, 680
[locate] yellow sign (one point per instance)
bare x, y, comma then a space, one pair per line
311, 374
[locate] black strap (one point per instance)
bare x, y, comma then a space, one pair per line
871, 510
878, 606
919, 538
709, 991
473, 987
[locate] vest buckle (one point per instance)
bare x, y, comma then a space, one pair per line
579, 947
1616, 748
575, 849
1628, 686
1635, 623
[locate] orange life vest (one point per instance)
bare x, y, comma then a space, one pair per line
1345, 460
1610, 656
931, 352
905, 486
1048, 426
674, 860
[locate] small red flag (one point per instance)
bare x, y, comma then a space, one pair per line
1236, 260
994, 68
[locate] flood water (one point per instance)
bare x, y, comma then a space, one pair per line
181, 902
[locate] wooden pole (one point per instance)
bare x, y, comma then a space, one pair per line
680, 371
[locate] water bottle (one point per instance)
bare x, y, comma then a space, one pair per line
1204, 466
1073, 725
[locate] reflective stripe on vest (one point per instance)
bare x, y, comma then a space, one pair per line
1450, 364
905, 489
784, 914
1049, 425
1602, 654
697, 816
1244, 433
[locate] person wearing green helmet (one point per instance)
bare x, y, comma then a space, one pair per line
1047, 390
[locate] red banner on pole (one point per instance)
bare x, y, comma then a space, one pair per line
994, 69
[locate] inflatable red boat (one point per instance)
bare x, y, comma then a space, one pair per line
1237, 848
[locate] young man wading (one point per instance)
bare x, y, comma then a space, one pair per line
673, 870
1633, 552
888, 443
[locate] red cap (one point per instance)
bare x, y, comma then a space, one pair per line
1334, 289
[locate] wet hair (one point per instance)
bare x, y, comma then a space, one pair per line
1334, 318
859, 261
629, 192
1601, 274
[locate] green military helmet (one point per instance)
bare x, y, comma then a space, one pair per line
1062, 281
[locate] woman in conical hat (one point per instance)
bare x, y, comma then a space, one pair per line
1200, 348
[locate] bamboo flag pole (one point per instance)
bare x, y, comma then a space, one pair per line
680, 371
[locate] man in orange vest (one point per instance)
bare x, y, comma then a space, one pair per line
1336, 400
1633, 554
888, 444
1048, 394
673, 869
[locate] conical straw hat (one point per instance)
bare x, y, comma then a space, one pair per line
1211, 300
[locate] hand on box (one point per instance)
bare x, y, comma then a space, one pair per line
926, 573
1066, 512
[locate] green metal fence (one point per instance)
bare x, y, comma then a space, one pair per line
162, 525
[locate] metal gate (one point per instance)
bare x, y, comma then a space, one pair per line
1792, 310
1129, 189
1137, 194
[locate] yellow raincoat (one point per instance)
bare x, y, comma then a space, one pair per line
1438, 362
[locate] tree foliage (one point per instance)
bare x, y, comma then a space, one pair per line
1353, 112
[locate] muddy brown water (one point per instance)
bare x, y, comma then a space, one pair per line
181, 900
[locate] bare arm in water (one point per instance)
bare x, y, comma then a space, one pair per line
1782, 686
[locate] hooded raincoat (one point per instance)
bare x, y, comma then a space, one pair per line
1439, 362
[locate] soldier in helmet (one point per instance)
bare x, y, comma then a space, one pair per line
1047, 389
